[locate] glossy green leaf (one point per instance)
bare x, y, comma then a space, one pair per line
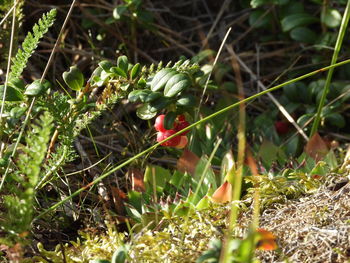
123, 63
291, 92
141, 83
336, 119
136, 95
144, 113
169, 120
303, 34
120, 255
176, 84
296, 20
74, 78
105, 65
259, 18
119, 11
17, 83
152, 96
17, 112
160, 79
158, 104
12, 94
331, 18
118, 71
135, 71
186, 100
37, 88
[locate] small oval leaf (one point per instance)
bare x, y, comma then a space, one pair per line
37, 88
123, 63
120, 255
161, 78
118, 71
119, 11
295, 20
331, 18
74, 78
158, 104
136, 95
303, 34
12, 94
144, 113
186, 100
17, 83
105, 65
176, 84
153, 96
135, 71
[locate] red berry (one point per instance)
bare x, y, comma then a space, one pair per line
182, 125
181, 118
281, 127
160, 136
183, 142
159, 123
170, 143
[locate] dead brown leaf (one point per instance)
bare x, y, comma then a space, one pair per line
187, 162
137, 183
316, 148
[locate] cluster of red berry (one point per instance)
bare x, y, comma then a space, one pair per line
179, 141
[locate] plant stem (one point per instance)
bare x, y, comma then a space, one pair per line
185, 129
338, 44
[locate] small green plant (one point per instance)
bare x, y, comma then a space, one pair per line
20, 186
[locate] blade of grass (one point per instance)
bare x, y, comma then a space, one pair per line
8, 68
237, 186
104, 175
196, 115
338, 44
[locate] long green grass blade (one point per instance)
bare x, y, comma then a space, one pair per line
338, 44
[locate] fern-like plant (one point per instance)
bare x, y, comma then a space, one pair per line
20, 187
30, 43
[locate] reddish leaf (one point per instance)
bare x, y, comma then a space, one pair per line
118, 198
316, 148
137, 183
266, 240
187, 162
223, 194
250, 161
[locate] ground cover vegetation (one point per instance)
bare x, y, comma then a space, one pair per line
174, 131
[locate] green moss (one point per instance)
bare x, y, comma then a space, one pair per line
93, 247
